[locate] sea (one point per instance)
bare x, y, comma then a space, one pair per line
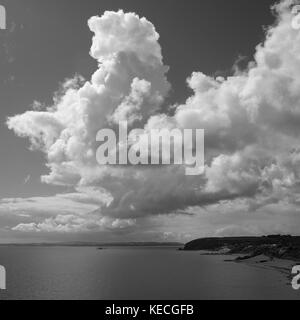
134, 273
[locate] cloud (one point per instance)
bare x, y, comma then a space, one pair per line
77, 224
236, 231
64, 213
50, 206
27, 179
251, 121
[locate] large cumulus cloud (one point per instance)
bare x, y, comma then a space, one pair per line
251, 121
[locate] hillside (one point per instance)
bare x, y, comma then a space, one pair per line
274, 246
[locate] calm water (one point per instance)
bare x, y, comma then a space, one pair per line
134, 273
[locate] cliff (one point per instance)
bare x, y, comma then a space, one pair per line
274, 246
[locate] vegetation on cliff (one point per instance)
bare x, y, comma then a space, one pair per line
274, 246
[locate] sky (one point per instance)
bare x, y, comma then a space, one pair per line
71, 67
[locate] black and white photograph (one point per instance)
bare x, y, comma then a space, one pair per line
150, 151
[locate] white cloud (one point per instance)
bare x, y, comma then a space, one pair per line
77, 224
49, 206
251, 120
64, 213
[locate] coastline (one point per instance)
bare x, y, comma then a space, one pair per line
282, 266
274, 252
